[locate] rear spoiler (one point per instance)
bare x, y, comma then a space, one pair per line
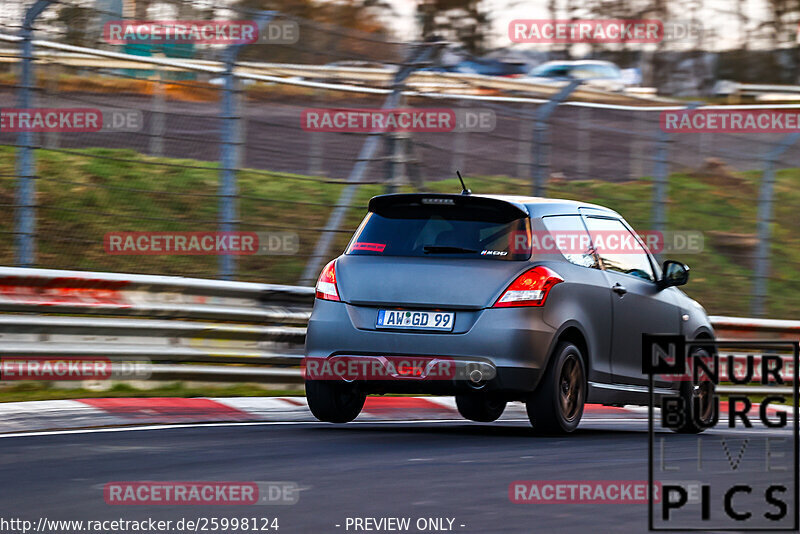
495, 209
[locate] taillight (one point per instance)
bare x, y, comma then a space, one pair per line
326, 285
530, 288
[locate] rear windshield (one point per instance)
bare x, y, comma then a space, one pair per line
442, 232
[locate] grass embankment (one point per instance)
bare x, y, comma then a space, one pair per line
83, 194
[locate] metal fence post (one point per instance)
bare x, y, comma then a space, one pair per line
762, 266
525, 149
541, 153
314, 265
542, 138
241, 129
459, 145
703, 149
391, 162
157, 120
52, 138
396, 158
414, 163
584, 142
637, 147
227, 185
661, 178
229, 149
316, 151
25, 223
395, 161
660, 182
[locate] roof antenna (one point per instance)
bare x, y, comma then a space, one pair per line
464, 190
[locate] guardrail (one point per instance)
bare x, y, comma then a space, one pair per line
374, 80
190, 328
760, 92
734, 328
432, 85
123, 316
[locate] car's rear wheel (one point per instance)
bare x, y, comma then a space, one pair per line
556, 406
481, 407
698, 399
334, 402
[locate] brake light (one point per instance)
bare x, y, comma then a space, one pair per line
326, 285
530, 288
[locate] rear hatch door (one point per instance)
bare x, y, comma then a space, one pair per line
435, 251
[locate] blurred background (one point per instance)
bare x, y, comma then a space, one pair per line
222, 145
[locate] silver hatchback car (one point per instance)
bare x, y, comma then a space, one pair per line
494, 299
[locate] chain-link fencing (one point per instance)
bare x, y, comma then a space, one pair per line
215, 136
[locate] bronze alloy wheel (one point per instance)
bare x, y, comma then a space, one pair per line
698, 397
556, 405
704, 392
571, 385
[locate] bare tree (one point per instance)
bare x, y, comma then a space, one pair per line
463, 21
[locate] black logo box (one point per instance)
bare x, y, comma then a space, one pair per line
679, 367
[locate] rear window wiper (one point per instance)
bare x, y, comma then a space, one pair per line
441, 249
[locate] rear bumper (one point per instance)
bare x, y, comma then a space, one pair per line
514, 383
512, 344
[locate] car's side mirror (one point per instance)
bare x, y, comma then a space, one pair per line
675, 274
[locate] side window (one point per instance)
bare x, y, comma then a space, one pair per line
618, 248
610, 72
569, 235
583, 72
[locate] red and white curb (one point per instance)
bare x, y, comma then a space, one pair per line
90, 413
93, 413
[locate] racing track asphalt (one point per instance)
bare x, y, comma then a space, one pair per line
458, 469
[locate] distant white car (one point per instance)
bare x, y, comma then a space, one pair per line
600, 74
221, 81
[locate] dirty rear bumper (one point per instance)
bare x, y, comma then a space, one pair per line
509, 345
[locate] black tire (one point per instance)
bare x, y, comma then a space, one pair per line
556, 406
334, 402
700, 412
481, 407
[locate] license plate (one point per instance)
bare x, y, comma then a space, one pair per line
416, 320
